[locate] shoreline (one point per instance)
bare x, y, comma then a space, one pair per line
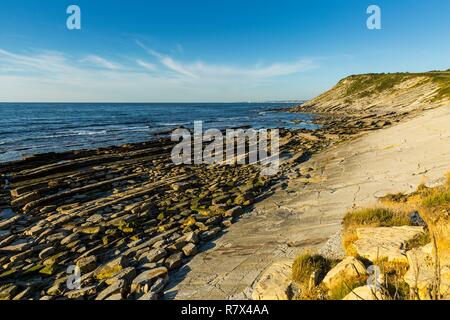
306, 215
115, 206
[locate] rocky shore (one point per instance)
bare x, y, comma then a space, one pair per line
127, 216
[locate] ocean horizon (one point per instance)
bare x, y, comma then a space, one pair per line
33, 128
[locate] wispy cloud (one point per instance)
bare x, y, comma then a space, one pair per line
101, 62
55, 76
46, 61
171, 64
146, 65
201, 69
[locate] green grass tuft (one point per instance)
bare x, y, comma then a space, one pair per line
346, 286
439, 198
376, 217
305, 264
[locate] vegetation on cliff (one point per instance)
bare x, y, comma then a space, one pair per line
384, 92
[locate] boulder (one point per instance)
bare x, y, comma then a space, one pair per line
149, 296
174, 261
119, 287
87, 264
209, 235
115, 297
364, 293
146, 279
152, 256
7, 292
44, 254
348, 268
111, 268
233, 212
159, 285
421, 275
127, 275
385, 242
190, 249
274, 282
70, 238
81, 293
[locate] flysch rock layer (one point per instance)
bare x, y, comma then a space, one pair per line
307, 213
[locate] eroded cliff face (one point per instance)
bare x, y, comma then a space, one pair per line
380, 93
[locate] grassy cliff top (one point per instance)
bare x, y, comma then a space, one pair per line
385, 92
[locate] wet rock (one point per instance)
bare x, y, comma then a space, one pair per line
127, 275
190, 249
55, 258
87, 264
149, 296
24, 199
21, 256
25, 294
213, 220
159, 285
56, 236
81, 293
177, 246
111, 268
48, 270
145, 280
48, 209
174, 261
9, 222
70, 238
234, 212
95, 218
4, 234
119, 287
57, 288
209, 235
115, 297
221, 199
35, 230
17, 246
153, 256
90, 230
8, 291
227, 223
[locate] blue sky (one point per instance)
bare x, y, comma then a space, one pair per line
206, 50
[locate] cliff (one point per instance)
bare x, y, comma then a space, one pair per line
381, 93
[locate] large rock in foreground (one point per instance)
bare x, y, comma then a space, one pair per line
348, 268
379, 243
422, 276
274, 282
364, 293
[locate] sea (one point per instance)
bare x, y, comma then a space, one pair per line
32, 128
